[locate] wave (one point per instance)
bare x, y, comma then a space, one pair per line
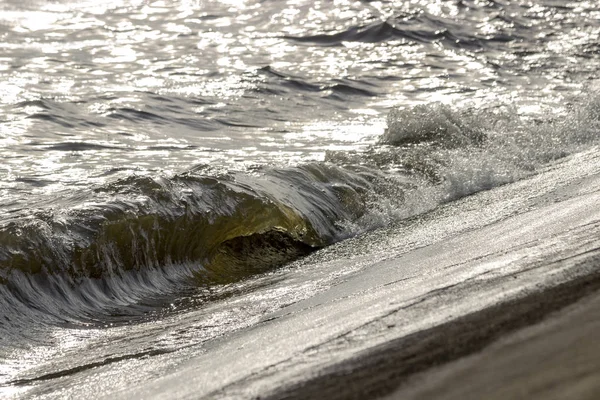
414, 27
112, 249
370, 33
139, 238
339, 89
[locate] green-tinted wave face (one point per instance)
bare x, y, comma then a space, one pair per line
140, 237
247, 255
142, 223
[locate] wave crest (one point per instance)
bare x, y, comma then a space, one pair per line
432, 122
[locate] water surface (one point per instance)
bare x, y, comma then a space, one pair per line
161, 158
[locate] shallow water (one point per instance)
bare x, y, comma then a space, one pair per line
160, 157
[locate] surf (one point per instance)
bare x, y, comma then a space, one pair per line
118, 245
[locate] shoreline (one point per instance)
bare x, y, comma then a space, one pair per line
394, 322
408, 307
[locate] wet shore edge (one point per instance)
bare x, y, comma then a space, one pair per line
462, 358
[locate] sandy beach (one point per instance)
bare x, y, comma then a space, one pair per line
525, 348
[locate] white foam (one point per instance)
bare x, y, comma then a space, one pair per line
455, 153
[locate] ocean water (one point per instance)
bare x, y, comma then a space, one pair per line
164, 162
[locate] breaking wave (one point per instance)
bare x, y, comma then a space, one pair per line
114, 248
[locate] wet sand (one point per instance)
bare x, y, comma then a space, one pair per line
541, 346
558, 358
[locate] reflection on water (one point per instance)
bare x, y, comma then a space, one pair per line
145, 142
146, 86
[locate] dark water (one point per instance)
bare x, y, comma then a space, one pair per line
154, 153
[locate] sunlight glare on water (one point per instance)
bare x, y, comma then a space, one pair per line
164, 161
